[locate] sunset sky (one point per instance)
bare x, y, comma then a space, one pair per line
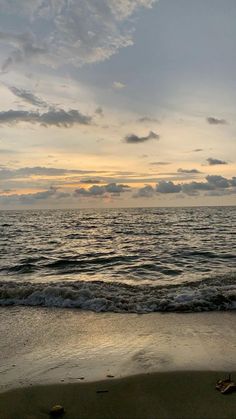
117, 103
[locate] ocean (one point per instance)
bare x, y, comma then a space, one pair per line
120, 260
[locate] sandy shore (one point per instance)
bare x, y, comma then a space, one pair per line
50, 346
51, 356
172, 395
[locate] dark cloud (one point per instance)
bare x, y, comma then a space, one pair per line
167, 187
28, 97
213, 162
11, 117
233, 181
188, 171
29, 198
135, 139
92, 191
146, 192
53, 117
213, 183
193, 188
95, 190
218, 181
215, 121
61, 118
115, 188
42, 195
90, 181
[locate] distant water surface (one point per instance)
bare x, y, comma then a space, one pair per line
121, 260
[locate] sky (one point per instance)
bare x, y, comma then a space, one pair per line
117, 103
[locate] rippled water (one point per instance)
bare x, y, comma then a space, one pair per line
120, 260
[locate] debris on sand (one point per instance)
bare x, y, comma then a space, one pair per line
226, 386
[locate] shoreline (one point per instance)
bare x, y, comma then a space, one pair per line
161, 395
41, 346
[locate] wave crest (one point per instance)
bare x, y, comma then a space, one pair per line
208, 295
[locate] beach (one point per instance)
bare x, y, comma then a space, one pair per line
117, 209
170, 395
149, 366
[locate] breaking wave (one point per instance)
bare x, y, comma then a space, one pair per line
209, 294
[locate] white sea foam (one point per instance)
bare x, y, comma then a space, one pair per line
208, 295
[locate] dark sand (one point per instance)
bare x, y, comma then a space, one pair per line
179, 395
45, 352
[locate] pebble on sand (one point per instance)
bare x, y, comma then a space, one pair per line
57, 410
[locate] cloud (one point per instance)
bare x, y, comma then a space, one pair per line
41, 195
188, 171
167, 187
215, 121
29, 198
159, 163
144, 119
233, 181
218, 181
214, 162
26, 172
197, 150
76, 175
193, 188
62, 118
53, 117
115, 188
92, 191
117, 85
76, 32
28, 97
98, 191
213, 183
24, 47
135, 139
90, 181
146, 192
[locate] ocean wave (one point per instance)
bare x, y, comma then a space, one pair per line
68, 264
210, 294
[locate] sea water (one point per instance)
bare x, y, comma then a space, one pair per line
120, 260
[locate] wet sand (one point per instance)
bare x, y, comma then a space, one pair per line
172, 395
45, 346
164, 365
